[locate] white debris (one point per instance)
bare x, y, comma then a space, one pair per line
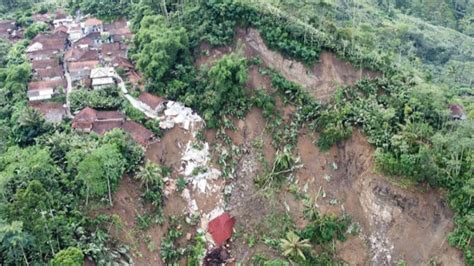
177, 113
195, 166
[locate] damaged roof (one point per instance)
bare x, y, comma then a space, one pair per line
221, 228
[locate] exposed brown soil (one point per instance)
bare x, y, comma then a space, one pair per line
127, 206
321, 80
396, 224
247, 203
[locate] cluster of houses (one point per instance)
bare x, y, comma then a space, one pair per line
80, 52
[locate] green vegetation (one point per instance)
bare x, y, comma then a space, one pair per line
51, 177
106, 98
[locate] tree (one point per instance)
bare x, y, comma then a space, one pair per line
34, 29
159, 47
151, 175
293, 246
13, 243
101, 170
71, 256
30, 125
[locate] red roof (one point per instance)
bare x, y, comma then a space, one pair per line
138, 132
121, 62
46, 73
457, 111
61, 28
221, 228
46, 84
47, 63
151, 100
78, 54
77, 66
93, 22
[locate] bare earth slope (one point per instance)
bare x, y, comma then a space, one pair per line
396, 224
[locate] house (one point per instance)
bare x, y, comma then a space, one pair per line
76, 54
102, 77
112, 50
44, 54
75, 32
92, 25
138, 132
80, 71
221, 228
6, 28
53, 73
61, 28
61, 18
56, 41
154, 103
89, 120
123, 63
45, 63
118, 30
52, 112
457, 112
134, 78
91, 40
44, 89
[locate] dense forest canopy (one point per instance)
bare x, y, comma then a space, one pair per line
50, 176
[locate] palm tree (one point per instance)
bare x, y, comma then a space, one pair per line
30, 118
150, 174
293, 246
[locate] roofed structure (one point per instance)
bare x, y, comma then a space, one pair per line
221, 228
100, 122
52, 112
46, 63
49, 73
457, 112
155, 103
44, 89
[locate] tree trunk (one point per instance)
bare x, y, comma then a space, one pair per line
110, 193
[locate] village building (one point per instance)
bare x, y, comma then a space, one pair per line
44, 89
80, 71
62, 29
118, 30
154, 103
122, 63
102, 77
457, 112
134, 78
53, 73
44, 54
76, 54
75, 32
92, 40
89, 120
61, 18
92, 25
7, 27
110, 51
53, 112
43, 42
44, 64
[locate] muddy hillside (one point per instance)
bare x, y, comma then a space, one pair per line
341, 181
